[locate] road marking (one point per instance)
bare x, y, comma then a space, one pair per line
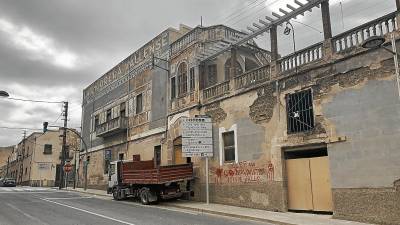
68, 198
89, 212
27, 215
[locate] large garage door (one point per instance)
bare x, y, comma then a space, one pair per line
309, 185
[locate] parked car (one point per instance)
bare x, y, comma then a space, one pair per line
8, 182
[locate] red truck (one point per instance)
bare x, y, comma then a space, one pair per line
147, 181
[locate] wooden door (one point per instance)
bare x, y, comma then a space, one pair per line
178, 155
299, 185
321, 184
309, 186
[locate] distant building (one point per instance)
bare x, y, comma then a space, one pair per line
5, 153
36, 159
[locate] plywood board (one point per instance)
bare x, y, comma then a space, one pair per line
321, 184
299, 184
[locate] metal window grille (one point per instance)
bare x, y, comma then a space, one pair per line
300, 115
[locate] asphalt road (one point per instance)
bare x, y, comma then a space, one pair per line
42, 206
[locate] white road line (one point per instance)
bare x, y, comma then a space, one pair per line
89, 212
27, 215
68, 198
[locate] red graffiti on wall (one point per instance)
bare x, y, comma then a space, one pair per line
244, 172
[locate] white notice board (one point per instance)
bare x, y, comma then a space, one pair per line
197, 137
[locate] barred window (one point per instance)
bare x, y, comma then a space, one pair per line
300, 115
182, 79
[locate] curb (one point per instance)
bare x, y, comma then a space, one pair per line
86, 192
228, 214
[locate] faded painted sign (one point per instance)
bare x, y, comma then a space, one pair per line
119, 74
244, 172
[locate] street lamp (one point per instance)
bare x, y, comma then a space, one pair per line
374, 42
4, 94
290, 29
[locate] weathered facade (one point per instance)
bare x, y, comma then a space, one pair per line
313, 131
35, 161
124, 111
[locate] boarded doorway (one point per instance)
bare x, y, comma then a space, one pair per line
309, 183
178, 158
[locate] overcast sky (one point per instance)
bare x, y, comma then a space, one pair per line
51, 50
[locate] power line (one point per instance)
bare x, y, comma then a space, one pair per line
28, 100
238, 11
18, 128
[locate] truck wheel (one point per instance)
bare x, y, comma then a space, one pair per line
116, 194
144, 197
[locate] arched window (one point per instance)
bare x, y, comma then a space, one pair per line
228, 74
182, 78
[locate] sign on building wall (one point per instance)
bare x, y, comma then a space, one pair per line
43, 166
197, 137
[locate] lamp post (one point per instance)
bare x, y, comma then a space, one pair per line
290, 29
374, 42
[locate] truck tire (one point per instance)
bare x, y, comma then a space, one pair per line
144, 196
116, 194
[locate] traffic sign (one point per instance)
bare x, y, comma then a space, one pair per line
197, 137
67, 168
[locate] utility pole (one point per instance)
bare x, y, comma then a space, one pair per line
21, 158
64, 142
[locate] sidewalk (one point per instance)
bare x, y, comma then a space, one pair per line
245, 213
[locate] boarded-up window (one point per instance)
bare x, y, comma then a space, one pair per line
48, 149
229, 146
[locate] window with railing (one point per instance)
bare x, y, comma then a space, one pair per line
212, 74
238, 69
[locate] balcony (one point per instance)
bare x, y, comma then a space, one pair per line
111, 127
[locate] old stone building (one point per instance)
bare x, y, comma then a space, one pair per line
35, 161
315, 131
124, 110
